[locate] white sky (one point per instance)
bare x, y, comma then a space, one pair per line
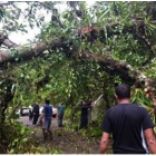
21, 37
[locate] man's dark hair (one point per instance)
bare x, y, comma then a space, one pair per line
122, 91
47, 101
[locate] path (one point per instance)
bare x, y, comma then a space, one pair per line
68, 142
25, 120
65, 140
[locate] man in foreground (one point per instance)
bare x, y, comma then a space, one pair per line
130, 125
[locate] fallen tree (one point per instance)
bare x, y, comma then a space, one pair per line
12, 54
110, 65
21, 53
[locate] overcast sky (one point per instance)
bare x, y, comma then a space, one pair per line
21, 37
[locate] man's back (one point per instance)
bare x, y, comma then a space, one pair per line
47, 111
126, 122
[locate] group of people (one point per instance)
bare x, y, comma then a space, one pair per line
129, 124
43, 117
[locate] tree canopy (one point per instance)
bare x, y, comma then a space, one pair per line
80, 52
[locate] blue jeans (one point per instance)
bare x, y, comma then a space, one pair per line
47, 123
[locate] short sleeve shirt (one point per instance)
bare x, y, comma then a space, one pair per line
48, 111
126, 123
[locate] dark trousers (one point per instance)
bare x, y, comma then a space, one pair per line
35, 119
60, 120
84, 122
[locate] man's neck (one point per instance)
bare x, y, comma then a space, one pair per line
124, 101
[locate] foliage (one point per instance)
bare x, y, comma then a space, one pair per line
123, 30
142, 100
15, 137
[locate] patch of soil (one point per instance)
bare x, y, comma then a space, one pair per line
68, 142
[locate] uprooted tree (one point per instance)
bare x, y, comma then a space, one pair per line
92, 48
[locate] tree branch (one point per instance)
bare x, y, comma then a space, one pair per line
113, 67
108, 64
5, 41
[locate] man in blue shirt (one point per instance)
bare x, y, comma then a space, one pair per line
47, 113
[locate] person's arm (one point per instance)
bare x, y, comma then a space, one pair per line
104, 142
151, 140
107, 129
52, 111
149, 132
41, 111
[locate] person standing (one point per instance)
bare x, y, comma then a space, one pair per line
130, 125
35, 113
30, 112
85, 108
47, 115
60, 109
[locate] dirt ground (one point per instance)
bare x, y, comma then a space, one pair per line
65, 140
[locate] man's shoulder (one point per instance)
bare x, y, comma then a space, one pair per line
131, 105
139, 106
114, 107
111, 109
48, 106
